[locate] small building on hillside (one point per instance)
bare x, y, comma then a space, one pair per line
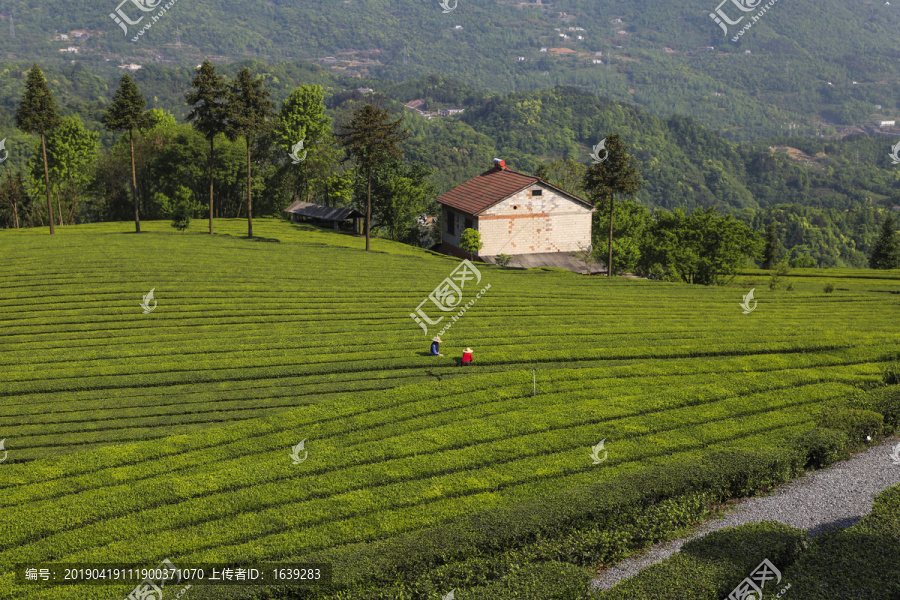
515, 214
345, 219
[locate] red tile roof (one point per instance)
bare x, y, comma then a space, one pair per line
487, 189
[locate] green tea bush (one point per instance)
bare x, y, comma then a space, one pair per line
777, 278
858, 562
610, 505
822, 447
174, 428
856, 423
829, 287
891, 374
183, 208
886, 401
545, 580
709, 567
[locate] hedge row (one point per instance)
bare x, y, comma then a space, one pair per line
856, 563
862, 561
265, 498
183, 370
508, 388
710, 567
87, 507
429, 565
363, 568
609, 378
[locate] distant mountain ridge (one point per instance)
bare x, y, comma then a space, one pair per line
653, 54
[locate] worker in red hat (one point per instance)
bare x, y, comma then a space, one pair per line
467, 357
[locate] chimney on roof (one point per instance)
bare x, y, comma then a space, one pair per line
500, 164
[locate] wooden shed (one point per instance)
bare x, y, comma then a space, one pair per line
325, 215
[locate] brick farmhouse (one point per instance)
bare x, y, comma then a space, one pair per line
515, 214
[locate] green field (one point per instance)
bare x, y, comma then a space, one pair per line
135, 437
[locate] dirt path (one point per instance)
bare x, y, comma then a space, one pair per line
838, 496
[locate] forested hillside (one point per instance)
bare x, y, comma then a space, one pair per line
814, 63
827, 195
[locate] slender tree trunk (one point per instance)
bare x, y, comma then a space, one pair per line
47, 183
15, 204
249, 195
74, 206
368, 207
612, 207
59, 214
211, 146
137, 219
306, 179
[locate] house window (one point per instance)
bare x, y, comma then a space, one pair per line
537, 192
468, 223
451, 221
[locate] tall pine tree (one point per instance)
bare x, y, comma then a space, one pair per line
772, 249
208, 98
617, 175
126, 113
373, 140
886, 253
248, 114
37, 114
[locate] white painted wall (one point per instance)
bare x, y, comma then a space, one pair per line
528, 224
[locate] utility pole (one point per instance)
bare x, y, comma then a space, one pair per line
178, 37
12, 28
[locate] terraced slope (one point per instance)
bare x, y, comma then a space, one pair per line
136, 437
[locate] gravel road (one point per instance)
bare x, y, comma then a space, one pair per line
837, 496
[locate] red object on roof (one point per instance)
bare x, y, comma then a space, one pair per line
487, 189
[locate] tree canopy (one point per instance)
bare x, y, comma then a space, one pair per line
702, 248
886, 254
372, 140
37, 114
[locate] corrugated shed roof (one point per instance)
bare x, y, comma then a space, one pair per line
317, 211
484, 190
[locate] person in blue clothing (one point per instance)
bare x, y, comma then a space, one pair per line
436, 347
